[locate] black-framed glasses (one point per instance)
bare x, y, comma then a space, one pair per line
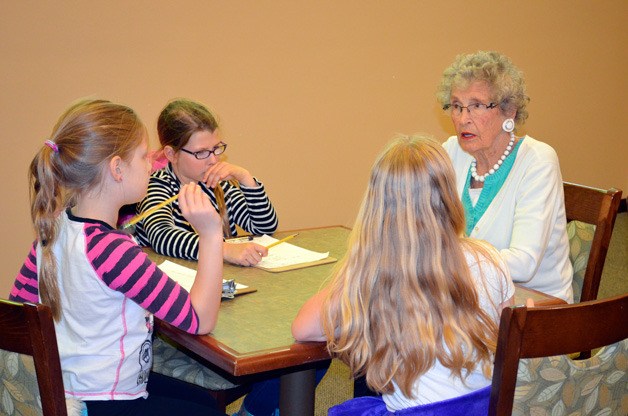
204, 154
474, 109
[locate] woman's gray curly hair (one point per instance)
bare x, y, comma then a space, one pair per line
504, 79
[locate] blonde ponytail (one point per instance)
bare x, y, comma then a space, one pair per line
47, 202
86, 137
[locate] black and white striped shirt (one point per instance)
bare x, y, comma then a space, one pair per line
169, 234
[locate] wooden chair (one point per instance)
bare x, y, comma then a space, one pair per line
521, 381
597, 207
28, 329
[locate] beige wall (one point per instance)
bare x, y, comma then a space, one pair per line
307, 92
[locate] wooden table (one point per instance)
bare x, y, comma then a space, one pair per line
253, 331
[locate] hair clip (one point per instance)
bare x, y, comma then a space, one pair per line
52, 145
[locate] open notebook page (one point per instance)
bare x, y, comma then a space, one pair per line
284, 254
184, 275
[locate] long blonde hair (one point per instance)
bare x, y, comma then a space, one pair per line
404, 291
85, 138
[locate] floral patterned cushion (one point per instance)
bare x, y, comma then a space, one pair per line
580, 238
19, 392
559, 386
171, 362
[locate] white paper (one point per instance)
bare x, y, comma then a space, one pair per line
184, 275
284, 254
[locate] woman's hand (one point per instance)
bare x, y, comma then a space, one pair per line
244, 254
224, 171
198, 209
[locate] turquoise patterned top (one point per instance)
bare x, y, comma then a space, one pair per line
492, 184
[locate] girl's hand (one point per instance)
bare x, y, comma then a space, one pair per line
207, 287
244, 254
198, 209
224, 171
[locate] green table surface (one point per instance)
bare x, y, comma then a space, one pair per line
253, 330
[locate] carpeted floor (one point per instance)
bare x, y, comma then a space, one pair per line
337, 386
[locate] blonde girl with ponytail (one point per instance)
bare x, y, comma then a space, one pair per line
101, 287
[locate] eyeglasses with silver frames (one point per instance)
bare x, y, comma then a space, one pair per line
474, 109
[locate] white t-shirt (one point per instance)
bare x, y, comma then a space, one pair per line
438, 384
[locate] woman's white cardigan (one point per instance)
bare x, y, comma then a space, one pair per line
526, 219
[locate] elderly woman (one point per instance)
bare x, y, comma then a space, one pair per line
510, 185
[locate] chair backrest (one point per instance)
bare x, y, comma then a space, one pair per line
553, 331
597, 207
28, 329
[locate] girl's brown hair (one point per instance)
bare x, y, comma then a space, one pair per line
85, 138
178, 121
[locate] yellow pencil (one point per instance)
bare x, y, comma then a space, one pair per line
145, 214
282, 240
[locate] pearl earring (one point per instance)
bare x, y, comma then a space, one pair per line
508, 125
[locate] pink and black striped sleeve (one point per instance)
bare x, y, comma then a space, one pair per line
26, 286
124, 267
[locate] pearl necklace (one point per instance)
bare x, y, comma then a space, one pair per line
496, 166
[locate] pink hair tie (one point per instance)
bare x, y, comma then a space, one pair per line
52, 145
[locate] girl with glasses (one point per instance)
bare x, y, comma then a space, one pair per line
191, 143
190, 139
